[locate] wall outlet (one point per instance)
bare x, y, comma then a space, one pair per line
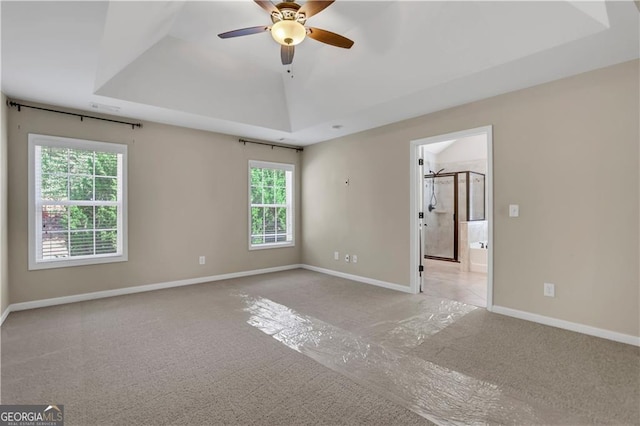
202, 260
354, 258
346, 258
549, 290
336, 255
514, 210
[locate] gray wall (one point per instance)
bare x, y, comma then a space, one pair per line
566, 151
187, 197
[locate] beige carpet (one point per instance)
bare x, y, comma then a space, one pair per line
597, 378
178, 356
188, 356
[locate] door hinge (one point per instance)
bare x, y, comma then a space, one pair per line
420, 215
421, 268
420, 162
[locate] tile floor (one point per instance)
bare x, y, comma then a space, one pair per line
444, 279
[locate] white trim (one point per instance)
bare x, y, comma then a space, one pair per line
65, 142
291, 225
415, 196
140, 289
567, 325
34, 218
5, 314
489, 204
265, 246
415, 174
366, 280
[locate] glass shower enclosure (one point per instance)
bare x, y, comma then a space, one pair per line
448, 199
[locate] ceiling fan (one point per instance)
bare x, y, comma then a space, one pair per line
288, 28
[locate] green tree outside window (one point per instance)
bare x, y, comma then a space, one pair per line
78, 175
271, 204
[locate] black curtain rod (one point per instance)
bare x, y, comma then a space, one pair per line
272, 145
82, 116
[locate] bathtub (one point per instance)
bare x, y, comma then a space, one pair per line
478, 256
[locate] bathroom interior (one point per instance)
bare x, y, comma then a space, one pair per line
455, 226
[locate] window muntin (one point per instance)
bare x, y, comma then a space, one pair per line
271, 221
77, 202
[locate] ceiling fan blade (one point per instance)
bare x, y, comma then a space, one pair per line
286, 54
311, 7
244, 32
267, 5
328, 37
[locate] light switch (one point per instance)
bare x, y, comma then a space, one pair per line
514, 210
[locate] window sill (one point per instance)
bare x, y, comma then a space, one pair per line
33, 265
272, 246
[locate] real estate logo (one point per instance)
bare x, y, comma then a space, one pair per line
32, 415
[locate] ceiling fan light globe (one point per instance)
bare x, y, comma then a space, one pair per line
288, 33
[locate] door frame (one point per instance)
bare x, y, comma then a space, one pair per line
416, 173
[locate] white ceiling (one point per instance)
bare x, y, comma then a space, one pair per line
163, 61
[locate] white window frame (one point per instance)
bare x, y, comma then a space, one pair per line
35, 207
290, 205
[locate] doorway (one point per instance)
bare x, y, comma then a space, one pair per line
451, 216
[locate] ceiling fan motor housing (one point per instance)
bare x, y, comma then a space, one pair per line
288, 11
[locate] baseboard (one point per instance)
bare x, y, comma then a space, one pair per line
392, 286
541, 319
5, 314
138, 289
567, 325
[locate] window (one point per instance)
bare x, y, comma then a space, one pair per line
270, 205
77, 202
